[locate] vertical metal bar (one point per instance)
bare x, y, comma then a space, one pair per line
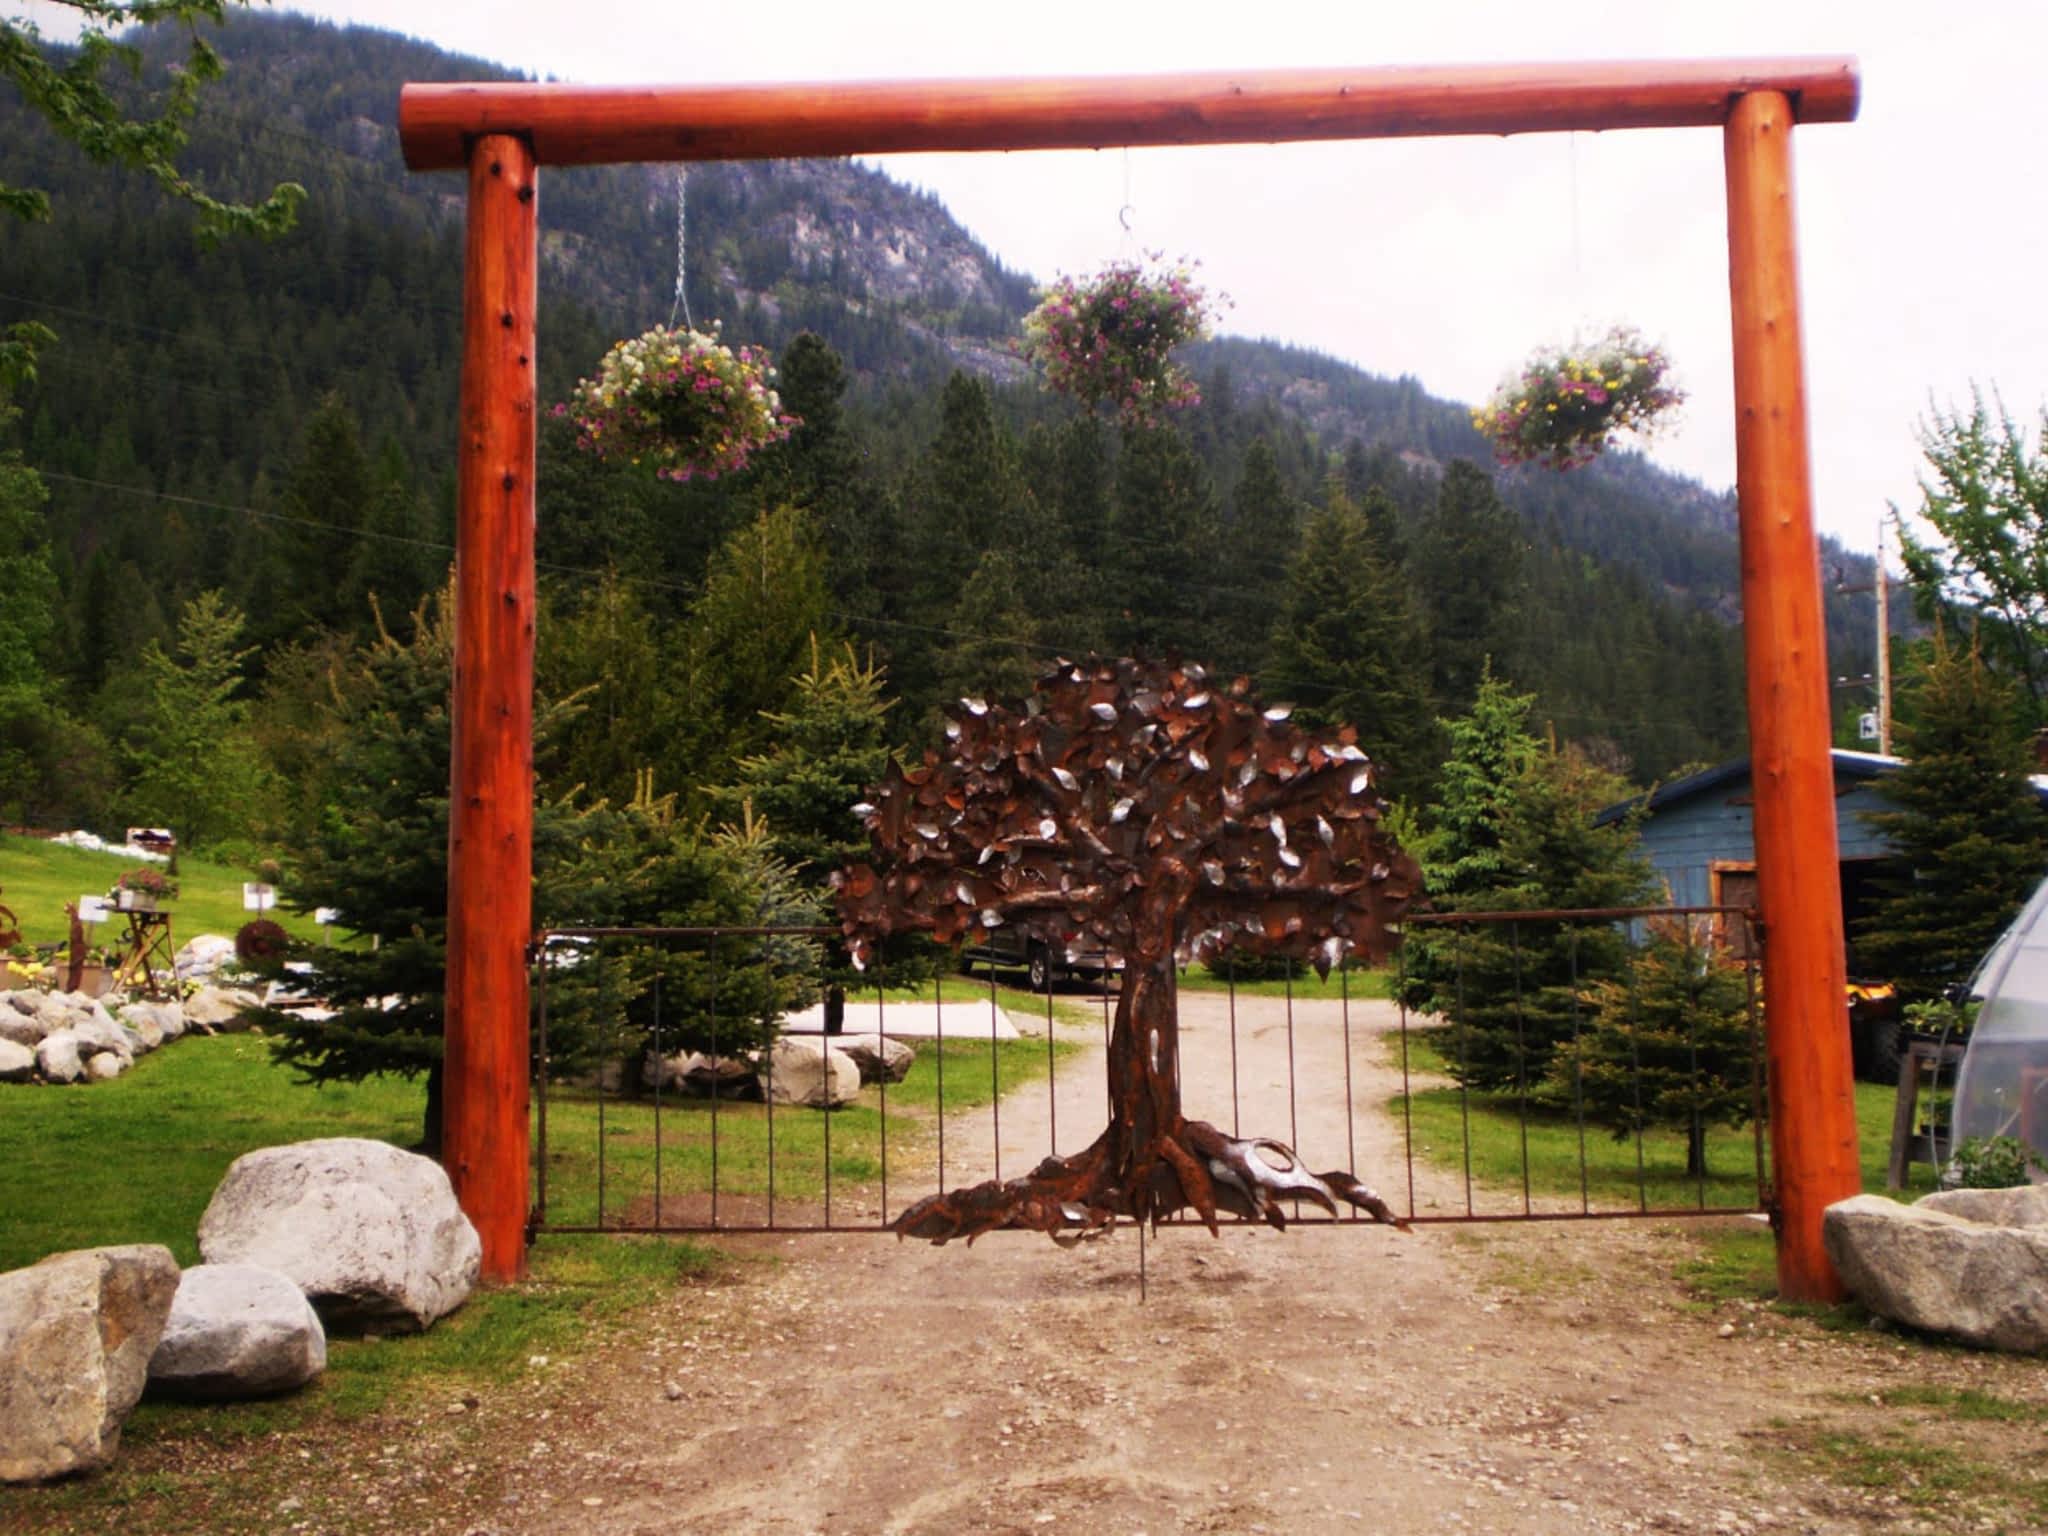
1635, 1068
1521, 1063
1464, 1071
882, 1057
1293, 1120
1696, 1136
540, 1180
1236, 1125
769, 1056
1407, 1090
660, 1072
825, 1093
1756, 1063
717, 1075
1141, 1261
995, 1079
608, 1038
1579, 1079
1052, 1091
939, 1028
1350, 1132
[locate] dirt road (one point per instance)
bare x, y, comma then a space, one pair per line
1550, 1379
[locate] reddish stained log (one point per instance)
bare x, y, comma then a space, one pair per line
490, 807
1813, 1107
586, 125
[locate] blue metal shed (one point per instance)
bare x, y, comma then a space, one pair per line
1700, 836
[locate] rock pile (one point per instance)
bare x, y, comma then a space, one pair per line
356, 1229
68, 1037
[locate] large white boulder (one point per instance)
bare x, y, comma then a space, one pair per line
97, 1034
17, 1062
877, 1056
221, 1010
105, 1067
370, 1233
76, 1334
156, 1023
1932, 1266
804, 1070
57, 1057
21, 1018
203, 954
236, 1331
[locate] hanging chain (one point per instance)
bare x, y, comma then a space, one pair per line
682, 299
1125, 213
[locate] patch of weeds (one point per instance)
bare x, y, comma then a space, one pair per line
1965, 1403
1829, 1316
1731, 1263
1894, 1465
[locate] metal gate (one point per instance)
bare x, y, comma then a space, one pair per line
1568, 1065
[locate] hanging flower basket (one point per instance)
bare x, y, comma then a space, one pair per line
1569, 403
679, 402
1109, 338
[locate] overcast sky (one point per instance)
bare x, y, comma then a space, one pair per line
1924, 234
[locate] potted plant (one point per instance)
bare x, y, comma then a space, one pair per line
679, 402
143, 890
1567, 404
1109, 339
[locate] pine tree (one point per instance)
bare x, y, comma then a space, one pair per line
1466, 566
989, 651
1967, 826
1258, 546
1668, 1044
193, 763
1163, 570
1518, 988
748, 635
1346, 642
829, 748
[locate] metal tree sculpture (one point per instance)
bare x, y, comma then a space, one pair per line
1170, 819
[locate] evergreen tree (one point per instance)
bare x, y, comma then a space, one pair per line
1669, 1044
989, 653
748, 635
1257, 546
1967, 826
828, 750
193, 763
608, 652
1345, 640
1467, 568
1517, 990
1164, 550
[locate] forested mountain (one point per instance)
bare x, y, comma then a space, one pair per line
277, 421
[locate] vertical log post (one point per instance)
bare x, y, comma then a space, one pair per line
1812, 1101
490, 804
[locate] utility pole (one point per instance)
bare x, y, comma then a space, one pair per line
1884, 650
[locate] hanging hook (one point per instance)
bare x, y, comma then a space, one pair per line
1123, 217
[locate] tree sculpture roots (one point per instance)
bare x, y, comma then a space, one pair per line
1168, 819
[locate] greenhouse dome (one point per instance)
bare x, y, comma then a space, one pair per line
2002, 1089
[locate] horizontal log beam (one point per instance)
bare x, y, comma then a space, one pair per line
598, 124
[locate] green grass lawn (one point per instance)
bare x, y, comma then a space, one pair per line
741, 1133
37, 878
1440, 1116
1361, 982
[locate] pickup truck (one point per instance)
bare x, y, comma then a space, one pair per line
1045, 964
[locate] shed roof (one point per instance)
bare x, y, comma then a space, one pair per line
1848, 764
